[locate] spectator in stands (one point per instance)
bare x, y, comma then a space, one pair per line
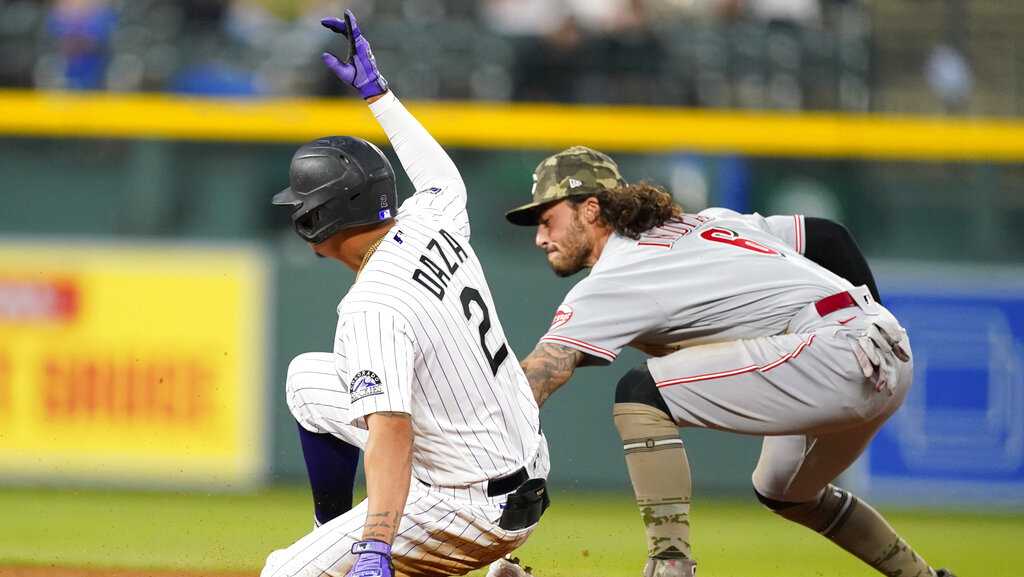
574, 50
82, 30
251, 22
796, 13
706, 10
203, 14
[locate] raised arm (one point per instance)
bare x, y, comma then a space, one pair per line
423, 159
549, 367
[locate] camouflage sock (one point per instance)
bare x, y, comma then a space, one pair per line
858, 528
661, 477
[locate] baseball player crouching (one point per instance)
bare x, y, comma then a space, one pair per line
761, 326
421, 377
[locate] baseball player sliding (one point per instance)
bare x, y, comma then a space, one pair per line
750, 329
421, 377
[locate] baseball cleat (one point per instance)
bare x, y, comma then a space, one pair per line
670, 568
944, 573
508, 566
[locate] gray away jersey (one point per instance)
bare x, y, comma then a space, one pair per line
418, 332
709, 277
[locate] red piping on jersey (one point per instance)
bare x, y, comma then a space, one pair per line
798, 232
661, 244
806, 342
587, 347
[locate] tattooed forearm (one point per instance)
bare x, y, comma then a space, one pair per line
548, 367
388, 466
382, 526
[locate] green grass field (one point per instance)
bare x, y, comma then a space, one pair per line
590, 535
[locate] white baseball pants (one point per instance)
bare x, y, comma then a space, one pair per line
803, 391
443, 531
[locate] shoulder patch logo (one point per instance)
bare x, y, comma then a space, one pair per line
365, 384
562, 316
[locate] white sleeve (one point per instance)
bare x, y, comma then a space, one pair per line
438, 184
380, 353
789, 228
601, 318
718, 212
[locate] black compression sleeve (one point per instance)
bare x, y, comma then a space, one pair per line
831, 245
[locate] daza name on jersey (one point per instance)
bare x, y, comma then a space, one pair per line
434, 277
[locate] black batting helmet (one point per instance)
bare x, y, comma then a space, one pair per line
338, 182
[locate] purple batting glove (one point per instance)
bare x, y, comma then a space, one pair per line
359, 70
373, 559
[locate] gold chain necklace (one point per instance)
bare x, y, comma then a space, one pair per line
369, 253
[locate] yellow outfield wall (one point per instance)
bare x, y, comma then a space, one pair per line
520, 125
132, 364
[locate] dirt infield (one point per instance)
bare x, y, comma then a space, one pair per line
44, 571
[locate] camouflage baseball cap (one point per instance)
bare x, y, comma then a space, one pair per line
574, 171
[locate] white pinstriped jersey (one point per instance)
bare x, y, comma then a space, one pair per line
418, 332
709, 277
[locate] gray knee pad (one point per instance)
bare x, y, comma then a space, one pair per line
637, 386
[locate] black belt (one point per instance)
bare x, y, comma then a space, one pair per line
527, 499
501, 485
508, 483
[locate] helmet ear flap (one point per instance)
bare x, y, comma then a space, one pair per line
307, 224
321, 222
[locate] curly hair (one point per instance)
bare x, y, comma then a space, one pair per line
633, 209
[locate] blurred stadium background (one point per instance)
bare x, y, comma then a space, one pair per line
150, 298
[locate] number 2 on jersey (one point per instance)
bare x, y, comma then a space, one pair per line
471, 295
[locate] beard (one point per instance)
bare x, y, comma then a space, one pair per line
572, 255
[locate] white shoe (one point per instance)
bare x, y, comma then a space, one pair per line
670, 568
508, 567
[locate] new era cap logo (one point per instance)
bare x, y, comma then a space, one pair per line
573, 183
